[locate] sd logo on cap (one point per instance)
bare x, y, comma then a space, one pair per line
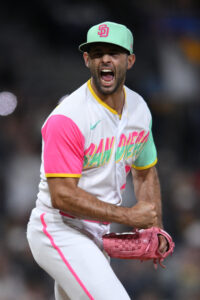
109, 32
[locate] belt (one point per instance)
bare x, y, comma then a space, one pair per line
72, 217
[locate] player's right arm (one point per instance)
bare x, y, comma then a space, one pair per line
67, 196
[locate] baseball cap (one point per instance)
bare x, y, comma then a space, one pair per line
109, 32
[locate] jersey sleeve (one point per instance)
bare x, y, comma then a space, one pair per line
63, 148
148, 155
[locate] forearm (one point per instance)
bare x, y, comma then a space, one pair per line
68, 197
82, 204
147, 188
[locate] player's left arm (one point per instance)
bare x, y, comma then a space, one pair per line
145, 176
146, 181
147, 189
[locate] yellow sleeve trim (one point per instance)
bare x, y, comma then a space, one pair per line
145, 167
62, 175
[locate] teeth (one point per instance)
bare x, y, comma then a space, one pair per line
106, 70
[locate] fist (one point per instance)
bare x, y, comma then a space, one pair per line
144, 215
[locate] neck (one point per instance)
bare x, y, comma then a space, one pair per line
114, 100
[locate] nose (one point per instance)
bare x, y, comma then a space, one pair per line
106, 58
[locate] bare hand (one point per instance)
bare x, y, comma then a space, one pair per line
144, 215
163, 244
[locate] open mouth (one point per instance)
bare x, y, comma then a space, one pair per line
107, 76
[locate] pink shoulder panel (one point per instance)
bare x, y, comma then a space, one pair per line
63, 151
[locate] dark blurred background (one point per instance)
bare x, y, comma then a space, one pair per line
40, 63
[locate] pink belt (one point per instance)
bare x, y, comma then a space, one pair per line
72, 217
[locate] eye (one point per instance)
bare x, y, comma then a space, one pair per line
113, 53
96, 54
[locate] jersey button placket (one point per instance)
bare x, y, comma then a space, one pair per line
119, 166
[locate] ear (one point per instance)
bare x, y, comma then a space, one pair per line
131, 61
86, 59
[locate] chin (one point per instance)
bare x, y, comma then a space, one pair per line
107, 90
103, 89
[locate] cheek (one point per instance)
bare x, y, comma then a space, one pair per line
122, 68
93, 67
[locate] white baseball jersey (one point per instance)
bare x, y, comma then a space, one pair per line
83, 137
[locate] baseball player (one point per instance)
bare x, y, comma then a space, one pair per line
90, 142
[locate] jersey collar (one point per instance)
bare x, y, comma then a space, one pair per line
102, 102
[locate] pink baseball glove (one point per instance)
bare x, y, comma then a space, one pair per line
140, 244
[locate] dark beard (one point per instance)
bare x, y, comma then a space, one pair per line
119, 81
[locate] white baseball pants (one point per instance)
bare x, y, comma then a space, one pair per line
72, 258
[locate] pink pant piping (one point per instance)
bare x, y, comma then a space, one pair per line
63, 257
